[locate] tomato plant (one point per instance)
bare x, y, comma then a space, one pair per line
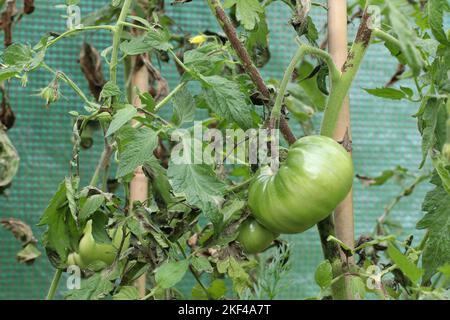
209, 210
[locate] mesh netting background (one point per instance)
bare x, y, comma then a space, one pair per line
384, 135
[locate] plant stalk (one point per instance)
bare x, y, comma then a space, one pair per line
54, 285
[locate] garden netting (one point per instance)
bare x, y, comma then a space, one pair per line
384, 136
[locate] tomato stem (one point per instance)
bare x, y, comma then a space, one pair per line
54, 285
341, 88
298, 56
118, 29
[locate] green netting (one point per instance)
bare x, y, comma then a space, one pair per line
384, 135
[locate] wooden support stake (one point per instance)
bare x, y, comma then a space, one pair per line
139, 183
337, 46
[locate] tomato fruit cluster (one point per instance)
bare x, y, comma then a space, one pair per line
315, 177
90, 251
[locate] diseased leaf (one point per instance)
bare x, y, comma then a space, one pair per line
225, 98
28, 254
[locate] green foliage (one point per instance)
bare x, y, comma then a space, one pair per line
169, 234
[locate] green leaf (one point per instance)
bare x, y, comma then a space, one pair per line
71, 194
428, 120
387, 93
307, 80
324, 274
92, 204
404, 264
183, 107
208, 59
93, 288
135, 46
55, 215
17, 54
436, 9
137, 150
170, 273
8, 73
158, 39
201, 187
148, 100
99, 222
441, 166
247, 11
406, 35
240, 278
437, 221
225, 98
120, 118
216, 291
110, 89
357, 288
201, 264
127, 293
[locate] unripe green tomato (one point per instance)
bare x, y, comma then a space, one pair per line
253, 237
75, 259
91, 251
315, 177
104, 116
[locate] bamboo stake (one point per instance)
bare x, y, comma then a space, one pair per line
139, 183
337, 46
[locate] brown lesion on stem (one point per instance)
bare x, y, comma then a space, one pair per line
396, 76
250, 68
346, 141
364, 33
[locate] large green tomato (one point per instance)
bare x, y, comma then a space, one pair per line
91, 251
314, 179
254, 237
